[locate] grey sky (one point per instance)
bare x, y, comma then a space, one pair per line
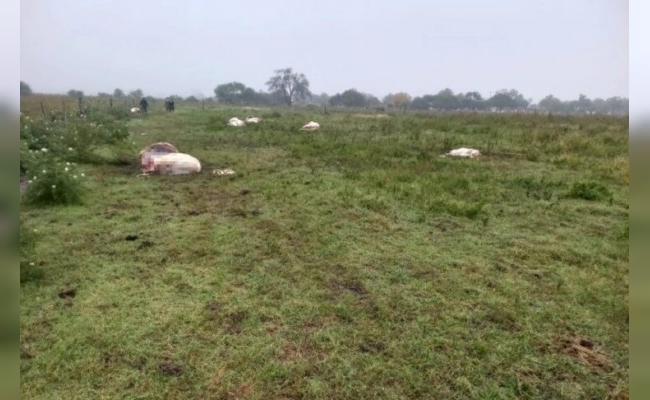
187, 48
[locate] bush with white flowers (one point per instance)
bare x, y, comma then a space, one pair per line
51, 181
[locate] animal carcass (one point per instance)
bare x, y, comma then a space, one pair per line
310, 126
149, 153
464, 152
176, 164
252, 120
234, 121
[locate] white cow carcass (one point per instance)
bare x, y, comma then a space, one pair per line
176, 164
149, 153
310, 126
252, 120
464, 152
135, 110
234, 121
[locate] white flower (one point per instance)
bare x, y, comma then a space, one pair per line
31, 263
82, 175
66, 169
53, 186
44, 171
35, 177
44, 150
29, 182
70, 149
74, 176
67, 163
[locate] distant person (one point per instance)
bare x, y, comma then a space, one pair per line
169, 105
144, 105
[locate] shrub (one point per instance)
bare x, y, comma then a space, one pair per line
589, 191
73, 137
52, 181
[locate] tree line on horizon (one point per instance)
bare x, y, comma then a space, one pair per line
291, 88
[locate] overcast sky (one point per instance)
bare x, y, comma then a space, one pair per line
189, 47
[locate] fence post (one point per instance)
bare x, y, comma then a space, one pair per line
43, 110
65, 114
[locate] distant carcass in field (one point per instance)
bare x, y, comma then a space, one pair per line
464, 152
234, 121
310, 126
135, 110
252, 120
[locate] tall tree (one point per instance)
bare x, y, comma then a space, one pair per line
349, 98
422, 103
230, 93
401, 100
292, 86
136, 94
618, 105
552, 104
446, 100
75, 93
25, 90
372, 100
388, 100
584, 104
118, 93
516, 99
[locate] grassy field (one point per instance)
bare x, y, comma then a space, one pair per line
353, 262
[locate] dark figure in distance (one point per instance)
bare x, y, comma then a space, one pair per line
144, 105
169, 105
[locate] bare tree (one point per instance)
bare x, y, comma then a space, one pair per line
292, 86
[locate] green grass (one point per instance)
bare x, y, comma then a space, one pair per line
351, 262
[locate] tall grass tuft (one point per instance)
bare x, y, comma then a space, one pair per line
589, 191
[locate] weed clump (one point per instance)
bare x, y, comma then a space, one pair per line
592, 191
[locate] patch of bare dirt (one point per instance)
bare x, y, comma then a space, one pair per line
68, 293
145, 244
352, 286
214, 306
234, 321
372, 346
170, 368
588, 353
